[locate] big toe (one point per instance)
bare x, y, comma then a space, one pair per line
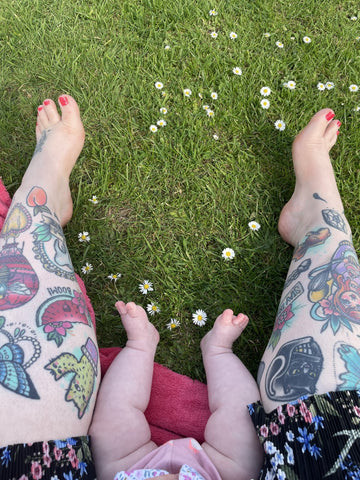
70, 112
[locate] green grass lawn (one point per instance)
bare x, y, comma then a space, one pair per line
171, 201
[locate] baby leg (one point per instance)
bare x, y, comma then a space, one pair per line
230, 438
119, 430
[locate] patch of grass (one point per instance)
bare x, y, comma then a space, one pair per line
171, 201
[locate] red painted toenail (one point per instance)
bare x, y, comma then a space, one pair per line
40, 108
338, 123
46, 102
64, 101
337, 133
330, 115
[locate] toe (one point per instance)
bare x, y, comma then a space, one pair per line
120, 307
227, 315
320, 120
42, 118
241, 320
51, 111
332, 131
70, 112
131, 309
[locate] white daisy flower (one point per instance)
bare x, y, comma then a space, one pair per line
228, 253
210, 113
279, 45
199, 318
161, 123
254, 226
163, 110
357, 109
153, 128
215, 137
265, 91
237, 71
353, 18
163, 94
159, 85
152, 308
206, 107
94, 200
146, 287
353, 88
200, 96
187, 92
233, 35
173, 324
320, 86
84, 237
214, 34
306, 39
265, 103
291, 84
114, 276
292, 38
266, 34
87, 268
213, 13
330, 85
280, 125
214, 95
167, 47
357, 38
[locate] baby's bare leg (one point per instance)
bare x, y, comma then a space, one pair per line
120, 432
230, 438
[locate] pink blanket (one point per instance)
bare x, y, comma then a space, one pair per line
178, 405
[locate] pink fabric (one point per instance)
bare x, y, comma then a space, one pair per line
174, 454
178, 405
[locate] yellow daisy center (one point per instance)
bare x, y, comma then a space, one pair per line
228, 254
154, 307
172, 325
199, 317
146, 286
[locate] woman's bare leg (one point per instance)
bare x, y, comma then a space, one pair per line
316, 332
49, 366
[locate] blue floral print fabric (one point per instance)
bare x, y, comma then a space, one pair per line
314, 437
68, 459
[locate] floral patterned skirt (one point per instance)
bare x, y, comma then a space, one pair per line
314, 437
69, 459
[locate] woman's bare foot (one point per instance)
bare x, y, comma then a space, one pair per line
227, 328
141, 334
59, 142
314, 176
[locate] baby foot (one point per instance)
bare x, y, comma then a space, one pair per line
227, 328
314, 175
59, 142
140, 332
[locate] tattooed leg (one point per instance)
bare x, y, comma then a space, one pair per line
316, 332
49, 366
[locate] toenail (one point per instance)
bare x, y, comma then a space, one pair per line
64, 101
338, 123
40, 108
330, 115
337, 133
46, 102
